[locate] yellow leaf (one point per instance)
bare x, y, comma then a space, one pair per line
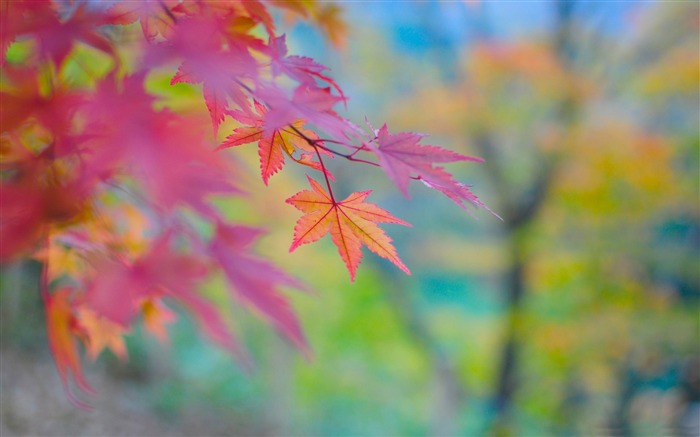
156, 316
101, 333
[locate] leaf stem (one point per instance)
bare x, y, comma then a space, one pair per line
318, 143
325, 173
167, 11
313, 143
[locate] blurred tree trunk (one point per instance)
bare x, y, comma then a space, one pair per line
520, 210
518, 216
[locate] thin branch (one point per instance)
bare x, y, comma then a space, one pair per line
244, 86
317, 144
319, 140
313, 143
167, 11
325, 174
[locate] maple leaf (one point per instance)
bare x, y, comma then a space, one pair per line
258, 12
80, 143
37, 194
219, 63
458, 192
61, 330
166, 152
155, 316
55, 34
273, 146
313, 104
351, 223
22, 98
301, 68
59, 259
101, 333
155, 17
116, 278
402, 158
160, 271
256, 281
178, 275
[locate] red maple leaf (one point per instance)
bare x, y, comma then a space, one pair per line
36, 195
351, 223
166, 152
22, 98
220, 63
456, 191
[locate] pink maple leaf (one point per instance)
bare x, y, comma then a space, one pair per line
403, 159
313, 104
456, 191
220, 63
300, 68
120, 287
54, 35
155, 17
164, 151
255, 281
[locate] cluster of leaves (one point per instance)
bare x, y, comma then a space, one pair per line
107, 191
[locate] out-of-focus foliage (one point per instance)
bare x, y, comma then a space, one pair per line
592, 145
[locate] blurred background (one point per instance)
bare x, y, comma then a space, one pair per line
577, 314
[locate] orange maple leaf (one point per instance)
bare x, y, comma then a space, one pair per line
156, 316
329, 19
351, 223
101, 333
61, 328
272, 147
